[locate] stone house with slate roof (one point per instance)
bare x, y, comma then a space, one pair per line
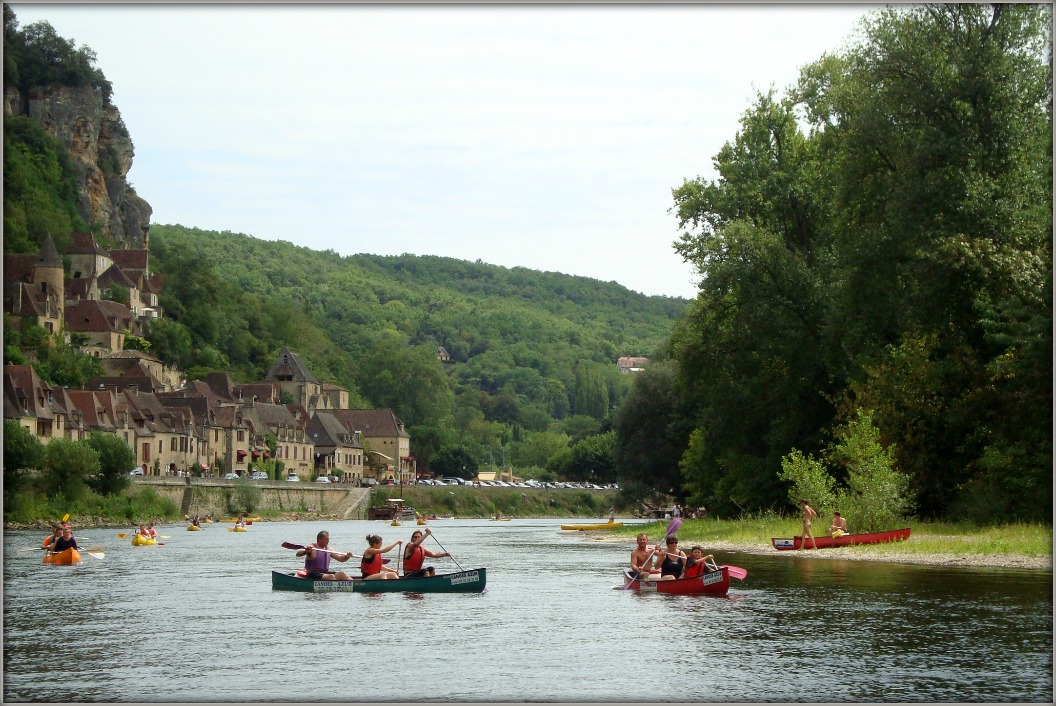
385, 436
294, 378
336, 448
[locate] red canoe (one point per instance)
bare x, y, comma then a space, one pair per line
825, 541
713, 583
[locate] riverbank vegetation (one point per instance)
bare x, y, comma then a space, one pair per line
1014, 544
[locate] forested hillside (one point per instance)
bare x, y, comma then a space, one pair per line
532, 354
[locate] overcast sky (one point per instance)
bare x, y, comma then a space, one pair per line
544, 136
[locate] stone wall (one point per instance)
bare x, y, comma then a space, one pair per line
202, 496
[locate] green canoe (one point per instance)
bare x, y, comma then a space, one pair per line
470, 581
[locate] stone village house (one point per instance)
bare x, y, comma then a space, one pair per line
214, 426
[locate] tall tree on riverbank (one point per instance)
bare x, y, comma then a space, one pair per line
894, 260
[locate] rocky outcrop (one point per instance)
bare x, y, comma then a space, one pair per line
101, 150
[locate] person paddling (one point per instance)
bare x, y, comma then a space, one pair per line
317, 559
372, 564
414, 555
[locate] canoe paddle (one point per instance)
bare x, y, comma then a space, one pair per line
291, 545
96, 552
448, 553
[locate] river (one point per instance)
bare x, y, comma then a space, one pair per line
196, 621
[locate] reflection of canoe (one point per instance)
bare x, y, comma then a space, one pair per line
139, 540
471, 581
825, 541
64, 558
713, 583
236, 529
598, 526
193, 528
501, 519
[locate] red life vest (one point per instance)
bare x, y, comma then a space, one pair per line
695, 570
415, 560
372, 566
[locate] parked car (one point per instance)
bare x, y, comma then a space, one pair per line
293, 478
454, 481
136, 472
322, 479
258, 475
230, 476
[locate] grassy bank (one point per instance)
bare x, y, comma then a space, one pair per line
1012, 545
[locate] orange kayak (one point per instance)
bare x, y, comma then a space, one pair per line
66, 557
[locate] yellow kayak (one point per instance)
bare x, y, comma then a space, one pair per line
139, 540
501, 519
236, 529
599, 526
193, 528
66, 557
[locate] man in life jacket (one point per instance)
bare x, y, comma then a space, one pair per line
414, 555
317, 559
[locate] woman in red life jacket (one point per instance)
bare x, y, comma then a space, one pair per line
372, 565
143, 531
414, 555
698, 563
317, 559
151, 532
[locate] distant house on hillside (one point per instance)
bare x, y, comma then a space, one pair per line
631, 364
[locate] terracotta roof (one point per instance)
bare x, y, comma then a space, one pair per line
84, 244
130, 258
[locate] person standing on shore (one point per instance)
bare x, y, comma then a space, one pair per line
808, 515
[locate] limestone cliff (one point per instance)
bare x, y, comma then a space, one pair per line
100, 147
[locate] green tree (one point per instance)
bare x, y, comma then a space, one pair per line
67, 466
23, 452
454, 461
115, 461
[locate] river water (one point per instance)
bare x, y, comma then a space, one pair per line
196, 621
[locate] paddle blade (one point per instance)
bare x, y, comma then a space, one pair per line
66, 517
673, 526
122, 535
96, 552
736, 571
291, 545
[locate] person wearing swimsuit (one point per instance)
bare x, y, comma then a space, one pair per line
674, 560
808, 515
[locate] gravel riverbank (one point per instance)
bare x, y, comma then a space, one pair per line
889, 553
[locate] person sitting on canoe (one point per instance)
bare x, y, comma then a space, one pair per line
151, 532
372, 564
317, 560
674, 560
642, 557
143, 531
697, 563
63, 543
838, 528
196, 522
56, 535
414, 556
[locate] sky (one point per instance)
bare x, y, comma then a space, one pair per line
542, 136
